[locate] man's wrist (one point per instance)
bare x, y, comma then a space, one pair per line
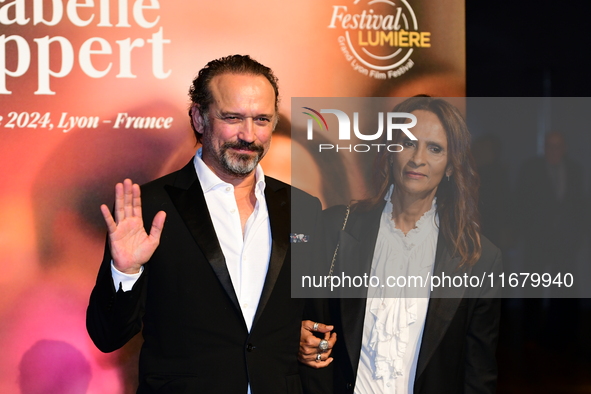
124, 280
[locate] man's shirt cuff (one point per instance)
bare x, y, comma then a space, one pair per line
125, 281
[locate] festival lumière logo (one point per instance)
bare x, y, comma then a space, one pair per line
379, 36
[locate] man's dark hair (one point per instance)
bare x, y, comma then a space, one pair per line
200, 92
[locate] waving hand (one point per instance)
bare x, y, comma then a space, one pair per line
130, 245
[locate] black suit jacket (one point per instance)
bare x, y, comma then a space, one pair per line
195, 337
457, 353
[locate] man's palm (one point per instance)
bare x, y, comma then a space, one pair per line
130, 245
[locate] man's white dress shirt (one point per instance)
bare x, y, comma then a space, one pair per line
247, 256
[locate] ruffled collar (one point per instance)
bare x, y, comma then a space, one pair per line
425, 220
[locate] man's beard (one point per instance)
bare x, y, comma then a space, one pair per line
240, 165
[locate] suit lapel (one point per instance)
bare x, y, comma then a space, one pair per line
352, 318
360, 235
443, 304
278, 206
187, 196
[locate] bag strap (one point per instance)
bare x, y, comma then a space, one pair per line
334, 256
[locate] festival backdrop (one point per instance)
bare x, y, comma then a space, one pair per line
92, 92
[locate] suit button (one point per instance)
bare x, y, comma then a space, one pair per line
250, 347
349, 386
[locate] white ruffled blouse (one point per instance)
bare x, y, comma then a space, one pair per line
395, 314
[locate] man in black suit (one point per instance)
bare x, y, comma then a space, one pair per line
209, 282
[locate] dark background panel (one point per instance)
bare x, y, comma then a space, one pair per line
538, 48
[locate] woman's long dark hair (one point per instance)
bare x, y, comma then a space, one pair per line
457, 199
